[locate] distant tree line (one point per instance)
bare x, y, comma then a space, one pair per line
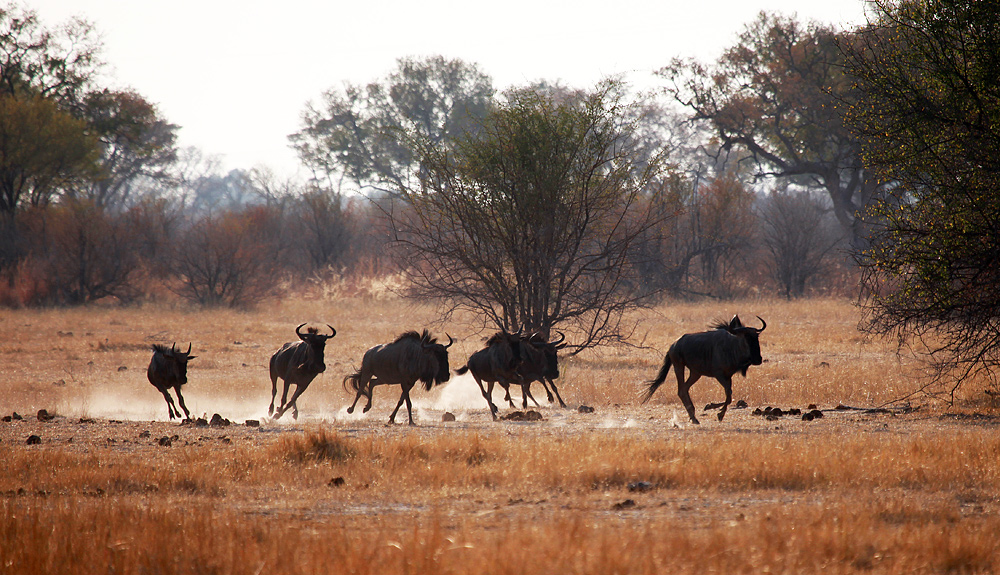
97, 202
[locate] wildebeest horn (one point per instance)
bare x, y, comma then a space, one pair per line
450, 341
763, 324
562, 337
188, 352
297, 332
334, 332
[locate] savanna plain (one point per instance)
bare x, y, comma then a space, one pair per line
111, 485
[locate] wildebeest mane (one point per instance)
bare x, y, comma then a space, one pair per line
414, 335
160, 348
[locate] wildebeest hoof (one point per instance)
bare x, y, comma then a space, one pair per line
721, 415
350, 409
365, 409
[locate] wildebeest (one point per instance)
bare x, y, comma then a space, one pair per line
540, 363
410, 358
718, 353
168, 369
496, 363
297, 362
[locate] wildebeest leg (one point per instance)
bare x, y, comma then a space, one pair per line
525, 394
556, 390
180, 400
299, 388
506, 388
274, 392
284, 397
403, 396
684, 388
362, 385
370, 395
171, 408
488, 396
727, 384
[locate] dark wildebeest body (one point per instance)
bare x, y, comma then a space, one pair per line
168, 369
297, 362
412, 357
540, 363
495, 363
719, 353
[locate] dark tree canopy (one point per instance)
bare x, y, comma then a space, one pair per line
929, 116
779, 95
530, 219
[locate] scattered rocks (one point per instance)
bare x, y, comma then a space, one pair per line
585, 409
167, 441
15, 416
741, 405
530, 415
252, 423
33, 440
44, 415
5, 419
122, 368
337, 482
201, 422
627, 504
448, 416
87, 420
59, 383
812, 414
640, 486
144, 434
219, 421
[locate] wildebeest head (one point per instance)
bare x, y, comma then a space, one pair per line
173, 367
750, 335
317, 343
438, 370
549, 352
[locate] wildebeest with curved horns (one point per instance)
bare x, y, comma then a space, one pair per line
540, 363
168, 369
411, 357
719, 353
297, 362
498, 362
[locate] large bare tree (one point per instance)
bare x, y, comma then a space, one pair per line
530, 220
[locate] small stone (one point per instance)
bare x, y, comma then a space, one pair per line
640, 486
252, 423
585, 409
448, 416
627, 504
337, 482
34, 440
44, 415
165, 441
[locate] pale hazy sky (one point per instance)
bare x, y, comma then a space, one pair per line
236, 75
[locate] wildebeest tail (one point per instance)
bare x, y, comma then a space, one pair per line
462, 370
354, 381
652, 386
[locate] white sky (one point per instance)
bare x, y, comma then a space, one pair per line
236, 75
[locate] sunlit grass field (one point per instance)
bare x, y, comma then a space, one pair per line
113, 486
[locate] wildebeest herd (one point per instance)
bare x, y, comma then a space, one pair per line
508, 359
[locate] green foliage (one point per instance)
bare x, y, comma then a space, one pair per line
929, 116
356, 133
531, 218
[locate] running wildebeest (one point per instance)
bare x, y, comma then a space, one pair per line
540, 363
168, 369
496, 363
718, 353
410, 358
297, 362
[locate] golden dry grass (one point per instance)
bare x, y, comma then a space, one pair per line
627, 489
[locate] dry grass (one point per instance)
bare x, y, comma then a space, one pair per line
628, 489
